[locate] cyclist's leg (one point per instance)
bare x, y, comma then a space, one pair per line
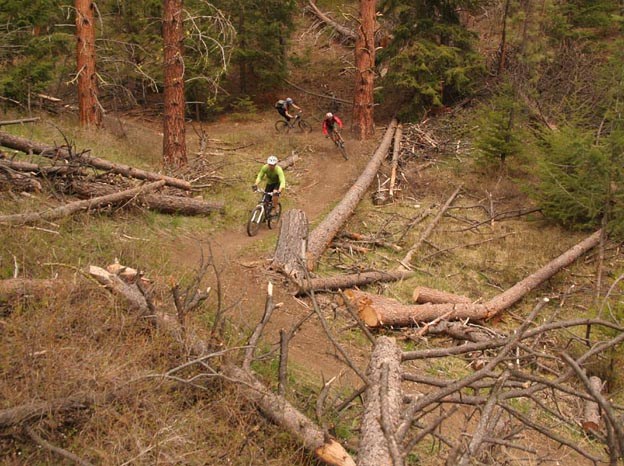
271, 199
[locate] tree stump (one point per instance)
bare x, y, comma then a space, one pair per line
292, 245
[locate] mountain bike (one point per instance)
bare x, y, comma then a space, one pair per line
283, 126
337, 139
264, 212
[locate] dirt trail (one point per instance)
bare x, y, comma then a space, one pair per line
318, 180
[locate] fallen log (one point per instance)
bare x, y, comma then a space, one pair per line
18, 182
422, 295
285, 415
77, 206
19, 122
350, 280
31, 147
157, 202
322, 235
51, 170
342, 30
290, 251
591, 409
378, 445
18, 288
289, 161
377, 311
370, 240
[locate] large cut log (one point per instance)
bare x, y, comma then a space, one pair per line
344, 31
377, 311
18, 288
158, 202
324, 233
423, 294
591, 410
73, 207
285, 415
350, 280
290, 252
382, 407
30, 147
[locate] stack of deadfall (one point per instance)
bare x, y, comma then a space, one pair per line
97, 181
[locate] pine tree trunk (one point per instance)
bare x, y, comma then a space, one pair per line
174, 144
363, 124
89, 107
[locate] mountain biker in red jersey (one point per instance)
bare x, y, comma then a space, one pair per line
284, 107
329, 125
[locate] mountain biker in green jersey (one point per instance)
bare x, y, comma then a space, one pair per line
276, 181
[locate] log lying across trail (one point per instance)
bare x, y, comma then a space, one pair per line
30, 147
77, 206
378, 311
158, 202
324, 233
350, 280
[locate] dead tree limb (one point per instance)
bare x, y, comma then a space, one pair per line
255, 336
591, 409
77, 206
30, 147
342, 30
378, 311
51, 170
382, 406
158, 202
322, 235
405, 262
285, 415
54, 449
396, 150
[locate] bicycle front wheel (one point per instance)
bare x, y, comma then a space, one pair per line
343, 151
281, 126
274, 218
255, 219
304, 126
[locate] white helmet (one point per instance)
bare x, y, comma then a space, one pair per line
328, 115
289, 100
272, 160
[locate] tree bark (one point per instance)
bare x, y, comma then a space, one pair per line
342, 30
378, 445
285, 415
290, 252
323, 234
73, 207
363, 123
30, 147
591, 410
422, 295
350, 280
88, 105
174, 143
157, 202
377, 311
43, 170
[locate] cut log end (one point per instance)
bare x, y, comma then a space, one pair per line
366, 312
331, 452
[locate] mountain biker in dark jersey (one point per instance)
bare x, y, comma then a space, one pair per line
329, 125
284, 108
276, 181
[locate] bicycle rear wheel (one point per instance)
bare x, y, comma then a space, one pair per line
274, 217
255, 219
304, 126
281, 126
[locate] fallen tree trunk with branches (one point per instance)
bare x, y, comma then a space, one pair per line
342, 30
350, 280
77, 206
322, 235
31, 147
378, 311
158, 202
